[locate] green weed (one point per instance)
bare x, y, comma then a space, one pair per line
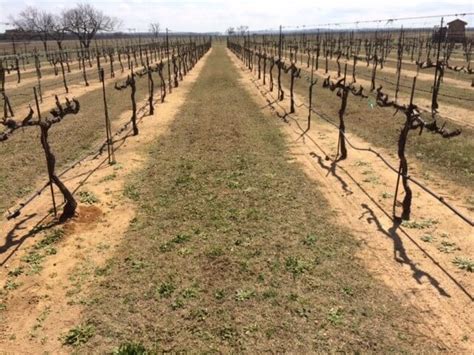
11, 285
131, 349
296, 266
310, 240
335, 315
427, 238
464, 263
244, 295
131, 191
422, 224
166, 289
87, 197
34, 261
78, 335
109, 177
16, 272
448, 247
50, 238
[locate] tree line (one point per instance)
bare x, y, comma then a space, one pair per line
82, 22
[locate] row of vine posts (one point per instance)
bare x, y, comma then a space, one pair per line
270, 49
183, 60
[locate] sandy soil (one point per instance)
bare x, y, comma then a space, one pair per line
360, 191
45, 306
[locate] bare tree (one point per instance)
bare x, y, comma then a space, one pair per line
155, 29
58, 31
85, 21
230, 31
242, 30
38, 23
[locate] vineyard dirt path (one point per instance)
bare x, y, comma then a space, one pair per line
41, 308
360, 190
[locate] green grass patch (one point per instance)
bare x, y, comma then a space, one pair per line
78, 335
464, 263
87, 197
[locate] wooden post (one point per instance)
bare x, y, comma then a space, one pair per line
108, 129
150, 88
63, 73
134, 103
84, 68
310, 105
169, 64
342, 127
437, 75
281, 94
399, 63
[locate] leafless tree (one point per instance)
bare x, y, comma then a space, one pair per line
242, 30
59, 31
38, 23
85, 21
230, 31
155, 29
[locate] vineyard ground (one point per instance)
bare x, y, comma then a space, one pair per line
22, 94
409, 70
21, 167
225, 241
234, 249
364, 134
409, 258
52, 290
458, 114
453, 159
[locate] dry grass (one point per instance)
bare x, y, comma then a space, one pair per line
234, 249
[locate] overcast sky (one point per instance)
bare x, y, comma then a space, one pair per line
218, 15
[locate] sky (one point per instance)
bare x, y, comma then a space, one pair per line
218, 15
